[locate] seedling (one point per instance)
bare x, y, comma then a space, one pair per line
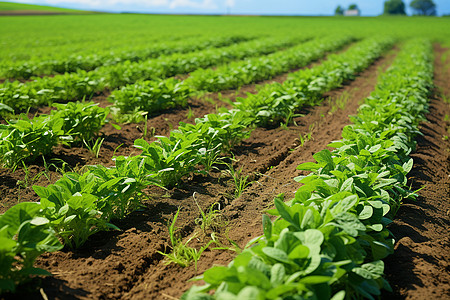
190, 113
339, 103
240, 182
211, 219
181, 253
96, 147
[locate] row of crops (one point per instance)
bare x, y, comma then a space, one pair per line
17, 95
327, 242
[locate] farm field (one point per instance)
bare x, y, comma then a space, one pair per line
140, 151
13, 9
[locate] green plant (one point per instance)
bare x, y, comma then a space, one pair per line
169, 158
72, 209
236, 74
240, 182
190, 113
276, 102
329, 241
133, 102
24, 235
27, 139
122, 186
96, 147
181, 253
81, 120
211, 219
339, 103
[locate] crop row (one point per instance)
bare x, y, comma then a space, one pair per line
274, 102
24, 139
239, 73
27, 139
72, 63
132, 101
329, 241
71, 86
79, 205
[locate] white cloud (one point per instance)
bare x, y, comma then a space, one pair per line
230, 3
172, 4
107, 3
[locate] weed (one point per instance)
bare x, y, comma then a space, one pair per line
339, 103
95, 148
210, 219
190, 114
182, 254
307, 136
240, 182
144, 129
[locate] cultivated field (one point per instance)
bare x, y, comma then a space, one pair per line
270, 157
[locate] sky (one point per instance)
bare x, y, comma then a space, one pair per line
256, 7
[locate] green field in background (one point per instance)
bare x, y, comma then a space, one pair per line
11, 6
22, 37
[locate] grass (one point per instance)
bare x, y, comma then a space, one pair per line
11, 6
210, 219
240, 181
339, 103
181, 253
95, 147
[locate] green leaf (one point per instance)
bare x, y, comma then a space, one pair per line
217, 274
366, 213
315, 279
277, 274
250, 293
116, 126
267, 227
17, 215
324, 156
308, 166
284, 212
407, 166
276, 254
339, 295
37, 221
299, 252
347, 185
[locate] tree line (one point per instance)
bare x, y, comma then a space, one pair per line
397, 7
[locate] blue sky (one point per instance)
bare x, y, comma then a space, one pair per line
278, 7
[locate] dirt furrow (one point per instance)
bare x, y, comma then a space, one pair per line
420, 265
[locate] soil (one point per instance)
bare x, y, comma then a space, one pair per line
129, 264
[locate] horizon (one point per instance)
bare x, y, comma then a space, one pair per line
227, 7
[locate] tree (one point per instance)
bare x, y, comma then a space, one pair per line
394, 7
339, 11
423, 7
353, 7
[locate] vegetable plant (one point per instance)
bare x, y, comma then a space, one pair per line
24, 235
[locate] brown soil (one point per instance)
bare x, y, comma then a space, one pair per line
126, 264
420, 265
